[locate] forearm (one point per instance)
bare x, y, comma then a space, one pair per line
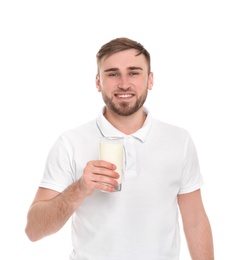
51, 210
200, 241
48, 216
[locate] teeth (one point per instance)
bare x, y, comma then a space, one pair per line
125, 96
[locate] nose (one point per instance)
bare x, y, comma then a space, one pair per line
124, 82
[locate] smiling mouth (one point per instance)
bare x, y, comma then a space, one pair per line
124, 95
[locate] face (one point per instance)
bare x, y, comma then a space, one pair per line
124, 82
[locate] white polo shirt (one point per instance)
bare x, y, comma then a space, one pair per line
141, 221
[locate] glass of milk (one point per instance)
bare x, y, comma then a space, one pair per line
111, 150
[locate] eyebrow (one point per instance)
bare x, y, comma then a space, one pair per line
129, 68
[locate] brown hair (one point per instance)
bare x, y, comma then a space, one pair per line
122, 44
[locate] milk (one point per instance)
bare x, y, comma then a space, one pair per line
111, 150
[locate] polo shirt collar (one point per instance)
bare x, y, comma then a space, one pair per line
107, 129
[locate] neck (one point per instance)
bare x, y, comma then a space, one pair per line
126, 124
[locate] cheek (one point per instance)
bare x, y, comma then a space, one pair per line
108, 85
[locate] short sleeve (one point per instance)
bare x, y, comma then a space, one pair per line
191, 176
58, 173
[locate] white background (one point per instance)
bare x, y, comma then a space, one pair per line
47, 80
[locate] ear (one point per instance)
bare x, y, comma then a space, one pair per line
97, 80
150, 81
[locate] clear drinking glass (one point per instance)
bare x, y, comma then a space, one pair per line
111, 150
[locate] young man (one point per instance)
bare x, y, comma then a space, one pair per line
161, 173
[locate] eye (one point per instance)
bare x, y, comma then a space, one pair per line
113, 74
133, 73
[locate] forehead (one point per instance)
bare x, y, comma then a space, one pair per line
124, 59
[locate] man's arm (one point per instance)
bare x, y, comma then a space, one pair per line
196, 226
50, 209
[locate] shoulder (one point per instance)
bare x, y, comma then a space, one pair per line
81, 129
169, 129
80, 133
